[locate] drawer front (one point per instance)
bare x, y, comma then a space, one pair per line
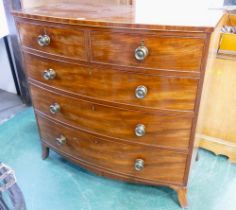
66, 42
160, 129
116, 86
164, 52
159, 165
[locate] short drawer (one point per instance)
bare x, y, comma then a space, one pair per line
164, 51
159, 129
63, 41
105, 84
142, 162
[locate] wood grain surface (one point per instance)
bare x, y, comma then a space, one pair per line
165, 51
162, 129
159, 165
167, 93
140, 15
92, 53
66, 42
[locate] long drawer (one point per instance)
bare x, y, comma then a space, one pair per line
169, 93
55, 40
159, 128
129, 160
182, 53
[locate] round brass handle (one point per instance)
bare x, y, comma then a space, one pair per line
141, 53
140, 130
49, 74
139, 164
61, 140
43, 40
55, 108
141, 91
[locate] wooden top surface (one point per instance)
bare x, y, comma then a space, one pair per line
184, 15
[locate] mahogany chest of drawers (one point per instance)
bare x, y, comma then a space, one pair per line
118, 97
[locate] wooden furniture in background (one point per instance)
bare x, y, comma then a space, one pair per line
114, 92
217, 118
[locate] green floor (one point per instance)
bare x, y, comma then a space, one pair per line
55, 184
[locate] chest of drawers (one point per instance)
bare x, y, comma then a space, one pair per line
118, 97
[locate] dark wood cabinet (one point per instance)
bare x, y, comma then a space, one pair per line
118, 96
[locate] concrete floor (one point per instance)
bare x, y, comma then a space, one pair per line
10, 104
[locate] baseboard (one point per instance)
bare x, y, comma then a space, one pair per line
218, 146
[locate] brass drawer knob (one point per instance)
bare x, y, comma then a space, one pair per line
43, 40
61, 140
139, 164
49, 74
141, 52
55, 108
141, 91
140, 130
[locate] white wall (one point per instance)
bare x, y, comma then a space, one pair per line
36, 3
6, 79
3, 22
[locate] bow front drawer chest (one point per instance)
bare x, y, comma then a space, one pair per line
115, 89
